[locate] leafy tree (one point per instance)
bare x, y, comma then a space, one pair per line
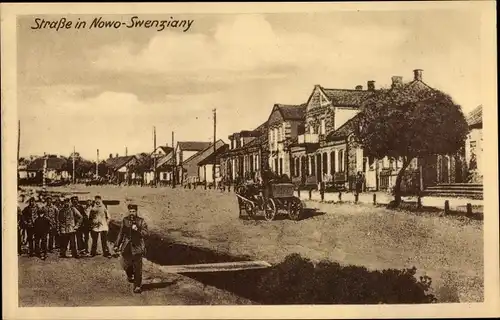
409, 123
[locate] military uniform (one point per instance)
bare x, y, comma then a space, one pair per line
29, 214
69, 219
52, 212
130, 243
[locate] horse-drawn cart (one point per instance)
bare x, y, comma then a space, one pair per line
279, 200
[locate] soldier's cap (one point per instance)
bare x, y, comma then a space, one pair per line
32, 199
66, 199
132, 207
74, 198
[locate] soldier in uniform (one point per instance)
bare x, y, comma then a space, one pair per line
130, 243
52, 212
69, 221
29, 215
83, 233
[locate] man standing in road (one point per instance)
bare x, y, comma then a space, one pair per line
29, 215
130, 243
42, 226
99, 219
69, 220
82, 233
52, 213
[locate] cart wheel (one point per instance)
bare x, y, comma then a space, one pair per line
294, 210
270, 210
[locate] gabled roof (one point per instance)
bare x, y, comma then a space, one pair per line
214, 156
166, 149
193, 145
118, 162
166, 160
475, 117
344, 130
346, 97
202, 154
53, 163
292, 112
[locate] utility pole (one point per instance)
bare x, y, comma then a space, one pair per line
97, 166
174, 162
44, 185
74, 177
215, 147
18, 147
154, 155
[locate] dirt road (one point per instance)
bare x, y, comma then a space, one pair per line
448, 250
101, 282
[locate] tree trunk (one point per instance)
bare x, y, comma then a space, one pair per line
399, 179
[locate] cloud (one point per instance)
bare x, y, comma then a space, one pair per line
247, 46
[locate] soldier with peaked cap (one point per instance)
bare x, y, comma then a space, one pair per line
29, 214
83, 232
99, 219
69, 219
130, 243
52, 212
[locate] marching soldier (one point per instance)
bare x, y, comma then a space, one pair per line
130, 243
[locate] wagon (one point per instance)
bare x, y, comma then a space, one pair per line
252, 201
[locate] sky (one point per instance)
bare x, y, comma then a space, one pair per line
106, 88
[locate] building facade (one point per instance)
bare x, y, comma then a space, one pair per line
284, 124
318, 154
248, 154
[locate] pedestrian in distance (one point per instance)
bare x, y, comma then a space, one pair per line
42, 227
29, 215
52, 213
83, 232
132, 247
69, 221
99, 219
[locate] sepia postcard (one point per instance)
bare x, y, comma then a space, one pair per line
250, 160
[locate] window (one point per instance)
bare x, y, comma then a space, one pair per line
323, 126
311, 129
313, 166
241, 141
332, 162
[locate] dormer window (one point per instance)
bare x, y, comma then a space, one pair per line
241, 141
323, 126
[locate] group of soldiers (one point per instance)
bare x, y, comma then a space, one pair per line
54, 223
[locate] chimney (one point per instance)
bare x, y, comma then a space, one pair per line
418, 74
371, 85
359, 87
397, 81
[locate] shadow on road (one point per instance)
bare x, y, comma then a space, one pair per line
294, 281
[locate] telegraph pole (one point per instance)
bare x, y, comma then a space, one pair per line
97, 165
18, 148
174, 162
44, 185
215, 148
154, 155
74, 177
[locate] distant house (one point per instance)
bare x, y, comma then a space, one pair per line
164, 161
118, 169
206, 166
56, 168
183, 151
474, 145
190, 166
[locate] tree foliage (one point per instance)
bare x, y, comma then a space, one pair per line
409, 123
